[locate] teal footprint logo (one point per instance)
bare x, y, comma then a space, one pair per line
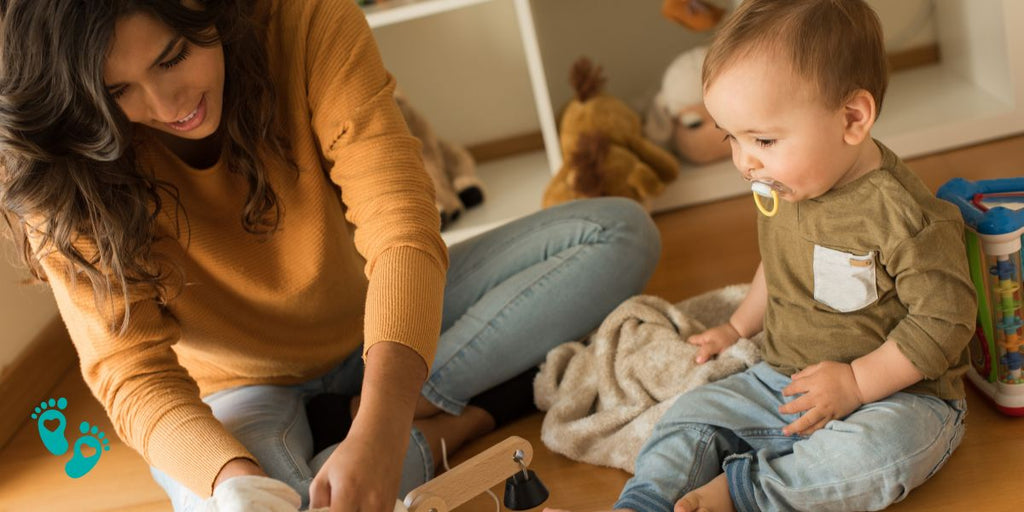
93, 438
53, 440
52, 423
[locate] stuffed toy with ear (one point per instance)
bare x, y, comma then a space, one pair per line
677, 118
450, 166
604, 151
698, 15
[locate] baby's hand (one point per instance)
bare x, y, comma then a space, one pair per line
829, 392
713, 341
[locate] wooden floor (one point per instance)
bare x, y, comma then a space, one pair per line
705, 247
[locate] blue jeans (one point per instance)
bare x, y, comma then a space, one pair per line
866, 461
511, 295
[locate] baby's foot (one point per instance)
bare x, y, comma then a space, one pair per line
80, 463
711, 497
53, 439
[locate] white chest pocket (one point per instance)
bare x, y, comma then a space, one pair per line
843, 281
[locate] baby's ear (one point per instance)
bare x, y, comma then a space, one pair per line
859, 113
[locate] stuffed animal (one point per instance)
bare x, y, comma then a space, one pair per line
450, 166
677, 119
698, 15
603, 148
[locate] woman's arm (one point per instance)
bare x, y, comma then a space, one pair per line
388, 197
152, 401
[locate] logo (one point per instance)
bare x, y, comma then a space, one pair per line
52, 423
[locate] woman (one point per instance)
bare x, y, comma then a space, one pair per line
233, 218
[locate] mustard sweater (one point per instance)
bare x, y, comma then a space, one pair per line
357, 258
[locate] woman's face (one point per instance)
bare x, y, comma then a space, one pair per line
163, 81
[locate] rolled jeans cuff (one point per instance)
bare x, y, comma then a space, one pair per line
741, 486
641, 500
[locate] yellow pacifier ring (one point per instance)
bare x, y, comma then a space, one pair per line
760, 190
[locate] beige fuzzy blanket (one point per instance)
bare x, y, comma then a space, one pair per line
604, 395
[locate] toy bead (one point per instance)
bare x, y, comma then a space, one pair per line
761, 189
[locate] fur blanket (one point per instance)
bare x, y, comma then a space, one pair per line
604, 395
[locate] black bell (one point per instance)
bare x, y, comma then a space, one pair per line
524, 491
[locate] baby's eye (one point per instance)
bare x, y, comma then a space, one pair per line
765, 143
728, 136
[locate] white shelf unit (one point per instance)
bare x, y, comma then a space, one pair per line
397, 11
975, 93
515, 183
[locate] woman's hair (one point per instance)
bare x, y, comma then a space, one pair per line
69, 177
835, 44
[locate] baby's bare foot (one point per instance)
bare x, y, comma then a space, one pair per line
711, 497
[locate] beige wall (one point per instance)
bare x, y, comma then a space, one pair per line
24, 309
466, 69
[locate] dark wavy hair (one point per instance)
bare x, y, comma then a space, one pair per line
70, 179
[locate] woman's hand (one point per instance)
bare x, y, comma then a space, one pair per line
365, 471
713, 341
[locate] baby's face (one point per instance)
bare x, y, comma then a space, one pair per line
780, 129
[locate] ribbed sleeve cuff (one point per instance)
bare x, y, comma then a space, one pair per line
191, 446
404, 299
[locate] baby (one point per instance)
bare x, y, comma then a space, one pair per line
863, 290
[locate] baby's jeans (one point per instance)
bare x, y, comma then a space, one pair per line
866, 461
511, 295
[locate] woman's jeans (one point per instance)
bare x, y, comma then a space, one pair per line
866, 461
512, 294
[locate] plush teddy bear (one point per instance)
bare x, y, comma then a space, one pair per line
603, 148
677, 118
450, 166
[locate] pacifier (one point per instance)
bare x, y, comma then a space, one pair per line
762, 190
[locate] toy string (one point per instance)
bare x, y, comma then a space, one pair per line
444, 462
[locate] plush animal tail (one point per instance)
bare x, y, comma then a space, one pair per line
588, 161
586, 79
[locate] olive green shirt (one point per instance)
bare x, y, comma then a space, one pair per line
878, 258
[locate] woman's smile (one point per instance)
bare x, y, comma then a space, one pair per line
192, 120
